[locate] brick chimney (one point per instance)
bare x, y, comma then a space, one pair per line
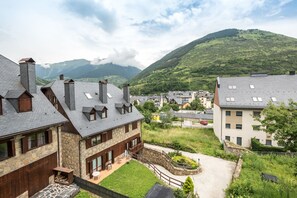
69, 94
103, 91
28, 75
126, 93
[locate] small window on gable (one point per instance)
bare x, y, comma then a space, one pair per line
88, 95
92, 116
20, 100
90, 113
273, 99
128, 107
120, 107
102, 111
252, 86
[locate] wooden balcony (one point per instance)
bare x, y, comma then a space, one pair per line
136, 148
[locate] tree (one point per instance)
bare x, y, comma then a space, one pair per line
281, 120
196, 105
150, 105
188, 186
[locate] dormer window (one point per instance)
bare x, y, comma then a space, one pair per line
128, 107
102, 111
120, 107
90, 113
1, 110
20, 100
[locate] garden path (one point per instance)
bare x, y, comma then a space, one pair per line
215, 177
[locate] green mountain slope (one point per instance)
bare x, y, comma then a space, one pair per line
229, 52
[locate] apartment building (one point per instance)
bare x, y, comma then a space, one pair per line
238, 100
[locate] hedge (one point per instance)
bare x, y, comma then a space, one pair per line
257, 146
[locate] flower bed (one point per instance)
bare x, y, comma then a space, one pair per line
182, 161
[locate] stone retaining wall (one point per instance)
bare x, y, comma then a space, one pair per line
157, 157
230, 147
237, 169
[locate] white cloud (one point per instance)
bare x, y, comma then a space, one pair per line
48, 32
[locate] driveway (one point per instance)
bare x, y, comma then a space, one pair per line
215, 177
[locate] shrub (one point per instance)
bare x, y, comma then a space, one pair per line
183, 160
240, 189
174, 153
257, 146
176, 145
178, 193
188, 186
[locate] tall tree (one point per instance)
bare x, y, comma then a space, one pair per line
196, 105
281, 120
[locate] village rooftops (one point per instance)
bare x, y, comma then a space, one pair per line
256, 91
87, 94
43, 114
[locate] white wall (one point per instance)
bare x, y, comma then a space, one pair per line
217, 121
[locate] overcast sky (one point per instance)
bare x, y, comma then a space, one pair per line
128, 32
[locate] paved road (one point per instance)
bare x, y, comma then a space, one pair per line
215, 177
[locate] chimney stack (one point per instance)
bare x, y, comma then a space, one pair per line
28, 75
126, 93
103, 91
62, 77
69, 94
292, 73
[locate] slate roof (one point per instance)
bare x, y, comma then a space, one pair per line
194, 116
158, 191
281, 87
11, 94
84, 127
43, 113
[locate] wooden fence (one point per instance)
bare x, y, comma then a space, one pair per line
96, 189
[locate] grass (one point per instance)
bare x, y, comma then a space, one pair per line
196, 140
250, 184
85, 194
132, 179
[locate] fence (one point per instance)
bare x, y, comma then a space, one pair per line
291, 154
96, 189
160, 174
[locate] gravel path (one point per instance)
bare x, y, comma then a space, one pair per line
215, 177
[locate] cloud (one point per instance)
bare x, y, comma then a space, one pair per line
124, 57
93, 11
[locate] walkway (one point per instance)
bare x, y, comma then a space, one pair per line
57, 191
215, 177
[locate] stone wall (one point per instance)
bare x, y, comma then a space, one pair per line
70, 151
20, 160
237, 170
156, 157
118, 135
230, 147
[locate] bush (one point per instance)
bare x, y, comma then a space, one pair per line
188, 186
240, 189
178, 193
183, 160
257, 146
174, 153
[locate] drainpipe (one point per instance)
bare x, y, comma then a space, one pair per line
221, 124
79, 157
58, 139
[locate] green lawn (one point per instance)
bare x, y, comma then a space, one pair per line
85, 194
249, 184
192, 140
132, 179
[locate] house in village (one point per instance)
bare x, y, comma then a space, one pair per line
181, 98
238, 100
103, 125
158, 100
29, 134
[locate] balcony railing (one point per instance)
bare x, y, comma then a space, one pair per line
136, 148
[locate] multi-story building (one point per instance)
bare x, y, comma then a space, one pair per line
238, 100
182, 98
29, 148
103, 125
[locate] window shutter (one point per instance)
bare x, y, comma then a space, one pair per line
109, 135
112, 157
138, 140
11, 148
88, 168
48, 136
104, 137
24, 144
88, 143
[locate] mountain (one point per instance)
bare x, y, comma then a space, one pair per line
83, 70
228, 52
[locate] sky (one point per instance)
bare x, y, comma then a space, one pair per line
128, 32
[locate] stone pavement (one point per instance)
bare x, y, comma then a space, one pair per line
57, 191
215, 177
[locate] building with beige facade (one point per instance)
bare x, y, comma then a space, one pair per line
104, 126
238, 100
29, 149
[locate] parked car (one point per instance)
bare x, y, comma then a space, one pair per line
204, 122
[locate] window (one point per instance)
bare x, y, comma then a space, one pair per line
7, 149
228, 126
126, 128
3, 151
256, 127
92, 116
134, 142
255, 99
239, 113
252, 86
257, 114
88, 95
231, 99
273, 99
96, 140
238, 126
239, 140
227, 138
268, 142
39, 139
232, 87
109, 156
134, 125
228, 113
104, 114
97, 164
